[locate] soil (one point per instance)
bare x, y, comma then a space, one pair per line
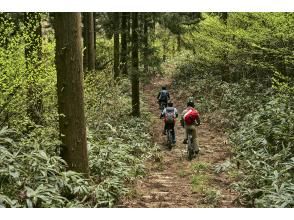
171, 180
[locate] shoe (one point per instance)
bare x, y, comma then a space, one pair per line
164, 133
185, 141
196, 152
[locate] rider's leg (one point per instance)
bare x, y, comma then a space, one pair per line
164, 128
173, 133
194, 137
186, 134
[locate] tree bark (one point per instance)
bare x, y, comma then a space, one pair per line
146, 46
70, 92
129, 33
85, 41
33, 56
116, 43
91, 42
135, 67
124, 43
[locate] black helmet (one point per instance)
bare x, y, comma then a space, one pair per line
170, 104
190, 102
163, 88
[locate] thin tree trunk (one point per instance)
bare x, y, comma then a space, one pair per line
135, 67
116, 44
124, 44
129, 33
94, 23
146, 46
70, 92
91, 42
85, 41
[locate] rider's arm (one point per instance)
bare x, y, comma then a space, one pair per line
158, 95
176, 112
182, 118
168, 97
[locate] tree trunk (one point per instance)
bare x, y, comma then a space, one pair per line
135, 67
124, 43
33, 56
94, 24
129, 33
116, 44
91, 42
146, 46
69, 67
85, 40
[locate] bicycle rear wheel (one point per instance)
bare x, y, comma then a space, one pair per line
169, 139
190, 150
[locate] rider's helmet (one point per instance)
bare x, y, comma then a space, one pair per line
163, 87
190, 102
170, 104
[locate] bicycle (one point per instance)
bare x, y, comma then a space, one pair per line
190, 146
162, 105
169, 138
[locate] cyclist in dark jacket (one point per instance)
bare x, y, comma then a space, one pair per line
163, 96
169, 114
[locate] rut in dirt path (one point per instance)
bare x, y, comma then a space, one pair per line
174, 181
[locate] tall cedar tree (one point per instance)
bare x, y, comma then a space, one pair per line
33, 55
124, 43
135, 67
89, 41
145, 39
85, 40
70, 91
116, 18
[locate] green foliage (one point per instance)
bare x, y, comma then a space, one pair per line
212, 197
32, 174
254, 104
264, 144
17, 76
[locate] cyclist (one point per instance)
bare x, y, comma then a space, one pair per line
163, 97
189, 120
169, 114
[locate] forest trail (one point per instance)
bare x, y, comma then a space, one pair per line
174, 181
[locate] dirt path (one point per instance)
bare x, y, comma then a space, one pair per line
174, 181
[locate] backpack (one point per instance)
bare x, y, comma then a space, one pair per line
190, 116
169, 116
163, 95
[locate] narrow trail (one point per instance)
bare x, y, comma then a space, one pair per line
174, 181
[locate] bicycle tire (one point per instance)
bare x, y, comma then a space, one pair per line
190, 151
169, 139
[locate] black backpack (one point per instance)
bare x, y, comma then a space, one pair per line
163, 95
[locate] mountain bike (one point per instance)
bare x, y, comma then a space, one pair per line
191, 146
169, 137
162, 105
